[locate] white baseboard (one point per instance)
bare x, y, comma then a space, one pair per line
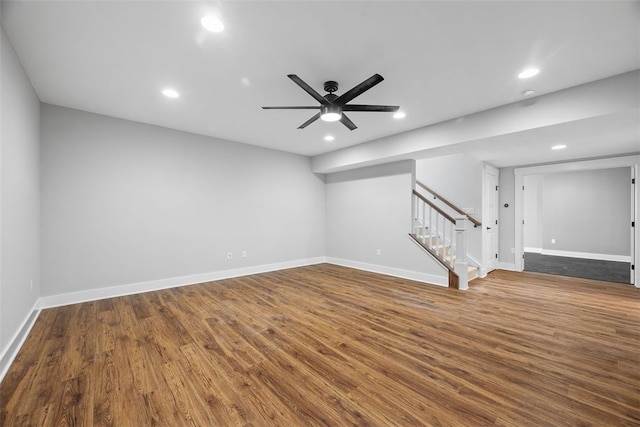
533, 250
430, 279
155, 285
507, 266
15, 343
587, 255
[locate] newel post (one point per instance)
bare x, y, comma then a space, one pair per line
461, 267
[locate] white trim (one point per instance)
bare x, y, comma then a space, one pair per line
533, 250
488, 257
507, 266
15, 343
391, 271
585, 255
154, 285
613, 162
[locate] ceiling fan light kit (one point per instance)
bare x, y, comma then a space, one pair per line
330, 113
332, 106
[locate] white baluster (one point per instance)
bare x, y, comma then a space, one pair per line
414, 212
461, 266
431, 228
452, 248
423, 221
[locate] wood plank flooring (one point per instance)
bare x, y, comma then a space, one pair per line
327, 345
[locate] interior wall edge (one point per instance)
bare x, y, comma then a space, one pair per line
9, 353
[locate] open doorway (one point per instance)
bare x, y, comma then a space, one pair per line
578, 223
577, 219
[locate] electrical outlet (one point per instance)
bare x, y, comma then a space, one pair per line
244, 254
229, 255
553, 241
379, 252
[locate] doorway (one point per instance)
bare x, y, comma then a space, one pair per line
575, 225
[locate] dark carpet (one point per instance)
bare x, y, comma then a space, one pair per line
609, 271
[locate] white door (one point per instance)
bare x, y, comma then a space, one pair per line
490, 219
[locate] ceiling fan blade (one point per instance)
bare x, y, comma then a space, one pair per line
347, 122
291, 108
308, 89
308, 122
359, 89
381, 108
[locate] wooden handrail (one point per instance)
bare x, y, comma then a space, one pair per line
434, 207
474, 221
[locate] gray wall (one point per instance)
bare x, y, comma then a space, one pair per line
124, 202
19, 195
370, 209
533, 198
588, 211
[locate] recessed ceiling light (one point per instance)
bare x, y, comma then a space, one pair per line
329, 138
529, 72
170, 93
213, 24
399, 115
559, 147
528, 93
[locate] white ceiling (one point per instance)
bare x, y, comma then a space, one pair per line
440, 60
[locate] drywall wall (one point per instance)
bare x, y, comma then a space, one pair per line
559, 207
533, 218
369, 209
19, 196
587, 211
125, 203
457, 178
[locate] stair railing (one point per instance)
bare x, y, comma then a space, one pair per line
434, 228
456, 209
443, 236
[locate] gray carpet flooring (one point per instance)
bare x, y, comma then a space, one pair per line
609, 271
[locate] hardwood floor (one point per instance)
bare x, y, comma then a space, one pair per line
327, 345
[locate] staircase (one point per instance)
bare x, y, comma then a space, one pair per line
439, 227
447, 260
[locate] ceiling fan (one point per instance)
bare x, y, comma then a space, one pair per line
332, 106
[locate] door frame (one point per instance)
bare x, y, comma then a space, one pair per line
632, 162
489, 260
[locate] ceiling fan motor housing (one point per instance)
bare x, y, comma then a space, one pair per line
330, 86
